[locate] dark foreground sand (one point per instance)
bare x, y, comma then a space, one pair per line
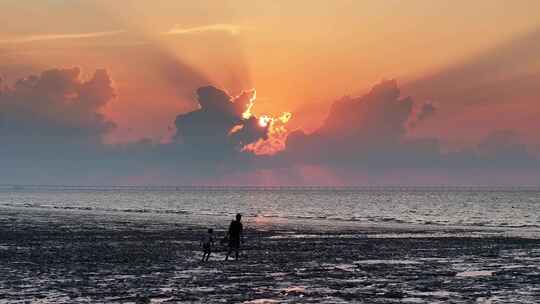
51, 257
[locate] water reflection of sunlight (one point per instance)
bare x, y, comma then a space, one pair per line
265, 222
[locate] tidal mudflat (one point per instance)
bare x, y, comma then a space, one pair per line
47, 256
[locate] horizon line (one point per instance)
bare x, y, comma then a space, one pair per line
273, 187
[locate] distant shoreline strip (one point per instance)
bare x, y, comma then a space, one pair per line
383, 188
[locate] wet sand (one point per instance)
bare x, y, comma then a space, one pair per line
77, 257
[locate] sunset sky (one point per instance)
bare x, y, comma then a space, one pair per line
475, 64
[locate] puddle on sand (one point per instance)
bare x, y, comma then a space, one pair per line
261, 301
412, 300
294, 289
475, 273
391, 262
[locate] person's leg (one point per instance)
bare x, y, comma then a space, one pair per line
236, 249
208, 255
228, 253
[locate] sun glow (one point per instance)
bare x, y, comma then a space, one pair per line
274, 126
235, 129
247, 113
277, 135
264, 120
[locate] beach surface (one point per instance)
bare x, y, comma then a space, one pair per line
78, 256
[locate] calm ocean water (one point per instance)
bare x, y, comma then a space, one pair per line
454, 208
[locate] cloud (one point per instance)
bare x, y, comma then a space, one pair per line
221, 124
379, 116
51, 126
427, 110
218, 27
56, 104
504, 144
422, 112
365, 140
47, 37
373, 122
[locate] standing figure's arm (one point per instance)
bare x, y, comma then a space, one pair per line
242, 233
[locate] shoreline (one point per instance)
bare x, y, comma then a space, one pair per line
275, 224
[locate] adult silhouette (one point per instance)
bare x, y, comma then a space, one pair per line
235, 236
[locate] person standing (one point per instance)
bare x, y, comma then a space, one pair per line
236, 236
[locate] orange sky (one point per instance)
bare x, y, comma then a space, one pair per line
299, 55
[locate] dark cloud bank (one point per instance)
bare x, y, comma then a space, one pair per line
51, 131
219, 126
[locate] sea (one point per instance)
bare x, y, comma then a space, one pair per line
510, 209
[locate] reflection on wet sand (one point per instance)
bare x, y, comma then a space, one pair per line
79, 258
